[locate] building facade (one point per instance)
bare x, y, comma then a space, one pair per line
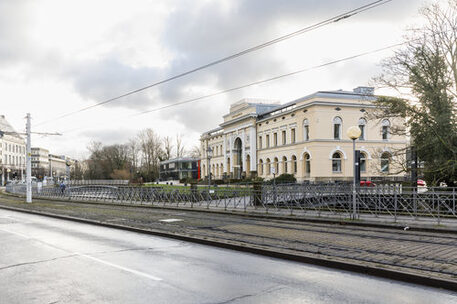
178, 168
305, 137
40, 162
58, 166
12, 153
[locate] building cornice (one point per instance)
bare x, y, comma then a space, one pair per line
317, 103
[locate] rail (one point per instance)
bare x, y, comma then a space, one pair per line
385, 202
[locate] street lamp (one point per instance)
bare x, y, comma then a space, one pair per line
209, 155
353, 133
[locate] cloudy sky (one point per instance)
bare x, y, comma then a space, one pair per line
57, 57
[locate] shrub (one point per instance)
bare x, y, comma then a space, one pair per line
285, 179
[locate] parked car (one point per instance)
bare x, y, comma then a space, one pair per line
367, 184
421, 186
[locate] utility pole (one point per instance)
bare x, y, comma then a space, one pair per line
28, 168
28, 157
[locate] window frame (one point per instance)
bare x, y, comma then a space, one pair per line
337, 122
337, 161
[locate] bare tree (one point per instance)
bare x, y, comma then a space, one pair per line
168, 147
195, 152
151, 153
133, 152
425, 71
179, 146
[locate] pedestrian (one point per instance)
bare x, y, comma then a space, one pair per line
62, 187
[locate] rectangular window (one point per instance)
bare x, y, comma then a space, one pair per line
385, 132
260, 142
275, 139
283, 137
306, 135
363, 165
268, 141
362, 133
336, 131
336, 165
292, 136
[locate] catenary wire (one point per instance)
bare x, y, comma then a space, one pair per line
257, 82
236, 55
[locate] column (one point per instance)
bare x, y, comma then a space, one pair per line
253, 148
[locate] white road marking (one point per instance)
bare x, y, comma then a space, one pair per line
139, 273
16, 233
170, 220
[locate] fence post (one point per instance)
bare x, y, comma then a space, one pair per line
438, 205
453, 201
257, 194
395, 206
193, 193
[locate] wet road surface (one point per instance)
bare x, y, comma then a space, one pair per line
44, 260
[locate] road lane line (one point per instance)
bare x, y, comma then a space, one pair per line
16, 233
139, 273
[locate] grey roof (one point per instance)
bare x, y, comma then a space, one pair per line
180, 159
6, 127
326, 94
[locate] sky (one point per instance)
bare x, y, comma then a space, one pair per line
57, 57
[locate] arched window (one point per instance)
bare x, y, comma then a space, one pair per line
305, 129
336, 162
307, 164
363, 162
385, 161
385, 129
268, 164
284, 164
362, 125
337, 122
294, 164
260, 167
276, 165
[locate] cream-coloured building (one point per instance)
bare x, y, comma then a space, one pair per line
40, 162
305, 137
12, 153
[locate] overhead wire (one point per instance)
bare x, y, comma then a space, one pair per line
256, 82
331, 20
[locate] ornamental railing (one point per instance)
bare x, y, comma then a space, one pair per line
381, 202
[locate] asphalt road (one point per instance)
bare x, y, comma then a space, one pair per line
45, 260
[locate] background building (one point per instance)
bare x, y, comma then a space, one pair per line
40, 162
12, 153
178, 168
305, 137
57, 166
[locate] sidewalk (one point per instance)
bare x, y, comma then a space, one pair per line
403, 252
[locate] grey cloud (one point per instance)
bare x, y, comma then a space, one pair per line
108, 78
14, 44
203, 34
110, 136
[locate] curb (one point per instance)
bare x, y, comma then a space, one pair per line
329, 263
334, 221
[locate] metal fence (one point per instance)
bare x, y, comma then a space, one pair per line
383, 202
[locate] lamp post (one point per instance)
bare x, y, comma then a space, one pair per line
353, 133
209, 155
